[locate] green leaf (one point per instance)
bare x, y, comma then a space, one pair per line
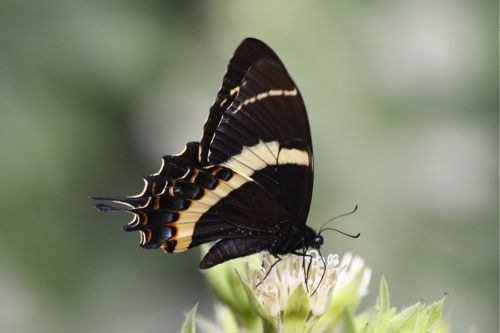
257, 306
435, 310
414, 319
441, 327
296, 310
383, 314
383, 296
222, 280
228, 289
422, 323
226, 319
349, 325
405, 320
380, 322
206, 325
188, 326
361, 320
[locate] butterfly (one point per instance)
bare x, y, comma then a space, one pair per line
247, 185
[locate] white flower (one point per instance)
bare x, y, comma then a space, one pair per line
352, 266
323, 283
323, 300
274, 290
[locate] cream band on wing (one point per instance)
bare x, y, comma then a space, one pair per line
270, 93
188, 218
261, 155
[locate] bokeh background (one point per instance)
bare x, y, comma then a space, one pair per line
402, 98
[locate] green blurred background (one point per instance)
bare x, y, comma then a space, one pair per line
402, 100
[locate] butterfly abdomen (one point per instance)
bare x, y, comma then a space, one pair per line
232, 248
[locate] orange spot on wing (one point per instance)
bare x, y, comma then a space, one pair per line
143, 218
169, 246
171, 189
193, 176
215, 170
149, 234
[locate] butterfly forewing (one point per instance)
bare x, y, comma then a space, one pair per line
248, 52
265, 135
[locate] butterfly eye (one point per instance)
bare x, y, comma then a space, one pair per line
317, 242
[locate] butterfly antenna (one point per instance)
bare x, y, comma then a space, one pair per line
342, 232
336, 217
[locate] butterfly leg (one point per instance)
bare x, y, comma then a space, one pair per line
270, 269
324, 272
306, 271
309, 265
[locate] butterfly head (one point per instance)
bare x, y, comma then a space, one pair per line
312, 239
317, 242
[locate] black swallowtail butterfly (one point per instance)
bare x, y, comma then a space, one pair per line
248, 183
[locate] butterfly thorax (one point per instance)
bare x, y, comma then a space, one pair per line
304, 238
